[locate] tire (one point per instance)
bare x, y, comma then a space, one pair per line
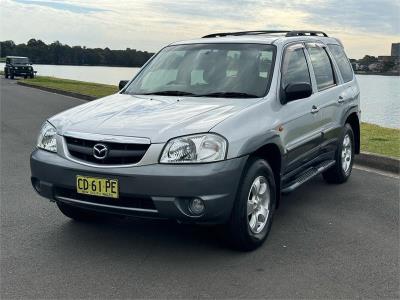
77, 213
31, 75
11, 75
341, 171
25, 76
246, 231
6, 75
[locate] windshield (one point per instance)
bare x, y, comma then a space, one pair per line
20, 60
213, 70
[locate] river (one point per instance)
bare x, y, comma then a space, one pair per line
380, 95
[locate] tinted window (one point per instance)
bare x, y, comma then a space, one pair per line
343, 63
204, 69
322, 67
20, 60
294, 67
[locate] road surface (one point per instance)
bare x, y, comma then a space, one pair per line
327, 241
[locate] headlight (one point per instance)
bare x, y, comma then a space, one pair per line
47, 138
199, 148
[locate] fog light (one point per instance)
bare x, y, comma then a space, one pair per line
196, 206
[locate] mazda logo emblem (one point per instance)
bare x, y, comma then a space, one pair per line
100, 151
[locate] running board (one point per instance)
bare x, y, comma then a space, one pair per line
307, 175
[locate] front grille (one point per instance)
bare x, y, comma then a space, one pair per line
118, 153
140, 202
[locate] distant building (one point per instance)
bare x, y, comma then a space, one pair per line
388, 64
395, 49
385, 58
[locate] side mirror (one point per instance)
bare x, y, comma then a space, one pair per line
295, 91
122, 84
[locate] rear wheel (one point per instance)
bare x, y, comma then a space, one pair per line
77, 213
31, 75
12, 75
253, 210
344, 157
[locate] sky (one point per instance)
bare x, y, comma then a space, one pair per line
364, 26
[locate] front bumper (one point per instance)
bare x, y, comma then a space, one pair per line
22, 71
155, 191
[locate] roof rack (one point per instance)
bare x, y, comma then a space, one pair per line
288, 33
245, 33
306, 32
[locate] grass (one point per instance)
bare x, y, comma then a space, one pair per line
380, 140
96, 90
374, 138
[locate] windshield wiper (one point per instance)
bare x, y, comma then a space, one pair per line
170, 93
228, 95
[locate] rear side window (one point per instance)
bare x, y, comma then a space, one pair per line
322, 67
294, 67
343, 63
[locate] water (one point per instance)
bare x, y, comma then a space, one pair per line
380, 95
380, 99
106, 75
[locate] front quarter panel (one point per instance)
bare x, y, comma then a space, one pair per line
250, 129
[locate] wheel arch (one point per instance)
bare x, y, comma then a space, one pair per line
353, 120
271, 152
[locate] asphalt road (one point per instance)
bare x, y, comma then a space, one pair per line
327, 241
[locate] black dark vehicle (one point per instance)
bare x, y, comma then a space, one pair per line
18, 66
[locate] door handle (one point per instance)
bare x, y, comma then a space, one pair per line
314, 109
340, 100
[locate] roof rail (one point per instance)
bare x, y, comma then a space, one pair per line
306, 32
288, 33
245, 33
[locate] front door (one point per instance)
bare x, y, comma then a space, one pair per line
301, 132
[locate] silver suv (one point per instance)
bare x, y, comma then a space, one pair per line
211, 130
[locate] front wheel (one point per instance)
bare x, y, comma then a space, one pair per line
253, 210
344, 158
31, 75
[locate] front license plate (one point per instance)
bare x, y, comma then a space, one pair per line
103, 187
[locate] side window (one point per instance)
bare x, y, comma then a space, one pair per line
322, 67
294, 67
343, 63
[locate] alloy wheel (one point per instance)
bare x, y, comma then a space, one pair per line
258, 204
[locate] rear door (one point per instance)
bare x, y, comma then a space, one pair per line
347, 80
301, 132
328, 96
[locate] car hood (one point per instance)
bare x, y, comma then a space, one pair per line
158, 118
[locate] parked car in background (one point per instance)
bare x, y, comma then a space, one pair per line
18, 66
211, 130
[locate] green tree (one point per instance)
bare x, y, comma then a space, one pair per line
58, 53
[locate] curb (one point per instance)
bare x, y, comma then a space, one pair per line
375, 161
56, 91
380, 162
